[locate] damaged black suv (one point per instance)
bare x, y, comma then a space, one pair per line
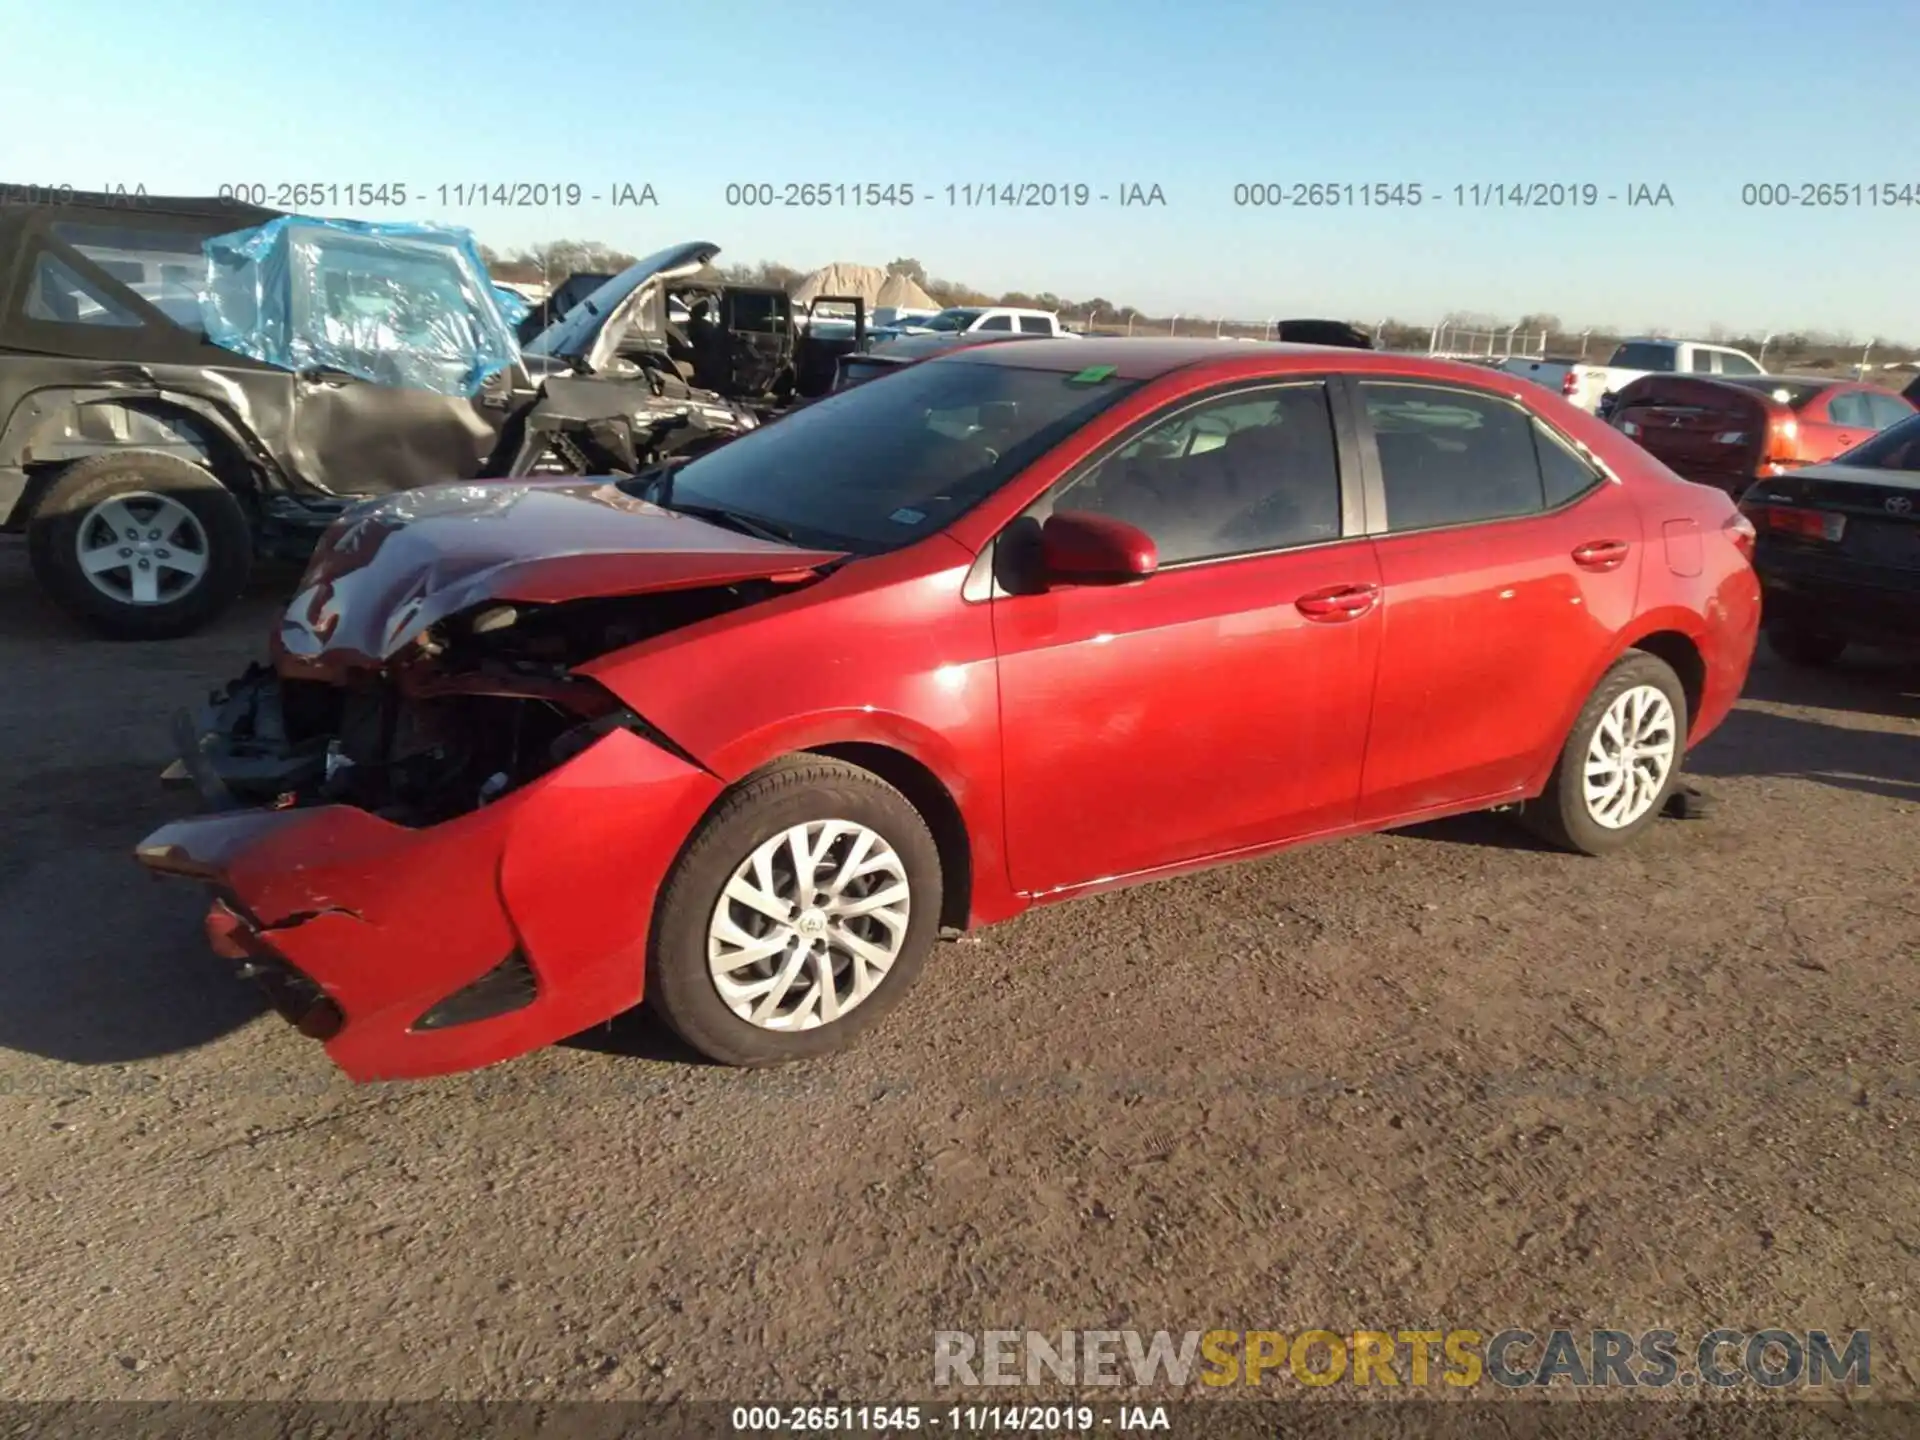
149, 462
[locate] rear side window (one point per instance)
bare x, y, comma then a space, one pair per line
1035, 325
57, 293
1451, 457
1638, 355
1563, 473
164, 268
1849, 407
1701, 362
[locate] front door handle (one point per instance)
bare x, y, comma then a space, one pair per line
1601, 554
1338, 602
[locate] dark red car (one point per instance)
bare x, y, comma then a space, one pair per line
1728, 431
745, 735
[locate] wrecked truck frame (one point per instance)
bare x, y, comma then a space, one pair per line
153, 446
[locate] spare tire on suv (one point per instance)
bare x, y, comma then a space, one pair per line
139, 544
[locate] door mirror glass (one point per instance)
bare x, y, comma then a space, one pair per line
1079, 548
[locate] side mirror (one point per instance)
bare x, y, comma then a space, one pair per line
1081, 548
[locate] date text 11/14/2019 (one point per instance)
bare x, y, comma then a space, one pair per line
965, 195
1413, 195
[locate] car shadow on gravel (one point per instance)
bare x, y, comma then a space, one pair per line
101, 963
97, 968
1762, 743
637, 1035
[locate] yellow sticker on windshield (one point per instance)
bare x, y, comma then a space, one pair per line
1092, 375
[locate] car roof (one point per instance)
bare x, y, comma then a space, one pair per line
1143, 358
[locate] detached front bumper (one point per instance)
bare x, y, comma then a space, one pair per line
416, 952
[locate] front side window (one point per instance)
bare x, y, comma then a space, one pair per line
1239, 474
1897, 448
1732, 364
997, 322
1888, 410
1452, 457
875, 467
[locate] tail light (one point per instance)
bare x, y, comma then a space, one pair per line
1740, 530
1797, 522
1569, 383
1782, 441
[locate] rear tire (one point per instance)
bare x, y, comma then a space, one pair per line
185, 542
1637, 705
1809, 648
870, 848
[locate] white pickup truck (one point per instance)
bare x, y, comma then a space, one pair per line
976, 319
1588, 385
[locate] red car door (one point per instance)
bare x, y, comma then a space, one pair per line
1221, 704
1507, 567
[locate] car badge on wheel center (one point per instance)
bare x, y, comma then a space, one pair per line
1899, 504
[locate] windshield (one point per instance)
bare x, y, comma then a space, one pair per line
946, 320
877, 467
1895, 448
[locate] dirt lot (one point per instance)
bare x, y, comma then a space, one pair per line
1439, 1077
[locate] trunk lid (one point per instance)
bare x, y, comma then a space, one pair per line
1702, 430
1882, 509
387, 572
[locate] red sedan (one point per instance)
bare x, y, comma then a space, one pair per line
744, 736
1729, 431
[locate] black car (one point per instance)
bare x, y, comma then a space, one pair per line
1838, 549
149, 465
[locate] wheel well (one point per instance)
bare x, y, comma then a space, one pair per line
927, 795
1684, 657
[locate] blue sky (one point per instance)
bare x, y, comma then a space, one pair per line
1702, 96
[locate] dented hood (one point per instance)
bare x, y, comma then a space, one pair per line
389, 570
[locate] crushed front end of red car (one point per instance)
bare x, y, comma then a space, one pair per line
434, 843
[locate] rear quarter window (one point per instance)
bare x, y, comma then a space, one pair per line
1641, 356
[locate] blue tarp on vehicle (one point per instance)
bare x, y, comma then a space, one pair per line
397, 304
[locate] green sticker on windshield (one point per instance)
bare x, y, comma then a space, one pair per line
1092, 375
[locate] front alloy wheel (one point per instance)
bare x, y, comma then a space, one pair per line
798, 915
809, 925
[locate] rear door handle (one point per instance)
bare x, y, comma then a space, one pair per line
1338, 602
1601, 554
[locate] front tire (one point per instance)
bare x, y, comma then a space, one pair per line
798, 916
1620, 762
1808, 648
140, 545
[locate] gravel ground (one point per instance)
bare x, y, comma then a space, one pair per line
1437, 1077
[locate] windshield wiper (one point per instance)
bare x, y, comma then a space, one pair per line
719, 515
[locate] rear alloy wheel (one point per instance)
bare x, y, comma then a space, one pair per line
1809, 648
143, 546
1621, 762
801, 912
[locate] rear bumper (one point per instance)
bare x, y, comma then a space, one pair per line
1870, 603
390, 944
